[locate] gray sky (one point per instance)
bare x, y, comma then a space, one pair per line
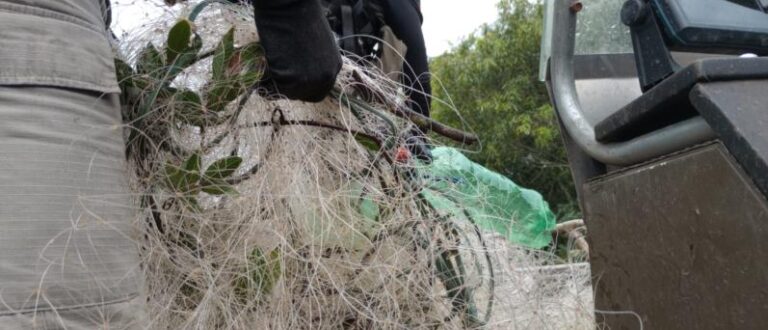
445, 21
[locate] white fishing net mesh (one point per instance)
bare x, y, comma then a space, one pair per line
324, 232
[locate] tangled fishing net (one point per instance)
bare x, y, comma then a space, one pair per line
265, 213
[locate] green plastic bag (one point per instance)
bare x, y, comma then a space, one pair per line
457, 185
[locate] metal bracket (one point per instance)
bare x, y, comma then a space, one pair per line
652, 58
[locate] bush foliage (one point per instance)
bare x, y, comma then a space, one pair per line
489, 84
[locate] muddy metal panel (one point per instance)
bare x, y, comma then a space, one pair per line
736, 110
682, 242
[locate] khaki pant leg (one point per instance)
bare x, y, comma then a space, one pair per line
67, 220
127, 315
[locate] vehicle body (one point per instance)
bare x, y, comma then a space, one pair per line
665, 128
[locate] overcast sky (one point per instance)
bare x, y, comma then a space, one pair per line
445, 21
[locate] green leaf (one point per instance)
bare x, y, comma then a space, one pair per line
213, 179
129, 94
368, 142
188, 107
234, 71
193, 163
142, 82
150, 62
187, 58
192, 175
222, 55
274, 269
190, 56
178, 40
196, 46
125, 73
165, 92
191, 204
188, 98
217, 187
222, 93
252, 53
173, 176
223, 168
261, 274
249, 79
248, 59
185, 178
248, 65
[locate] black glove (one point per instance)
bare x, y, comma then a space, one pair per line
302, 56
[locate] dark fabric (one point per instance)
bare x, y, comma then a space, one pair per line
107, 13
357, 24
417, 4
404, 17
302, 57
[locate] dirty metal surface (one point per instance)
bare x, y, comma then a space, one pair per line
682, 242
738, 112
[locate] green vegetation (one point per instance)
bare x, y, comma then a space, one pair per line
491, 78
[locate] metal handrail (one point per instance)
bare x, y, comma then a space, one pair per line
663, 141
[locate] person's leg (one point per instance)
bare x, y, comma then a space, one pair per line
70, 258
403, 17
117, 316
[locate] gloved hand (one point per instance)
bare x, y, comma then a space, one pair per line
302, 56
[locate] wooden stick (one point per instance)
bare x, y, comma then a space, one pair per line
426, 124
